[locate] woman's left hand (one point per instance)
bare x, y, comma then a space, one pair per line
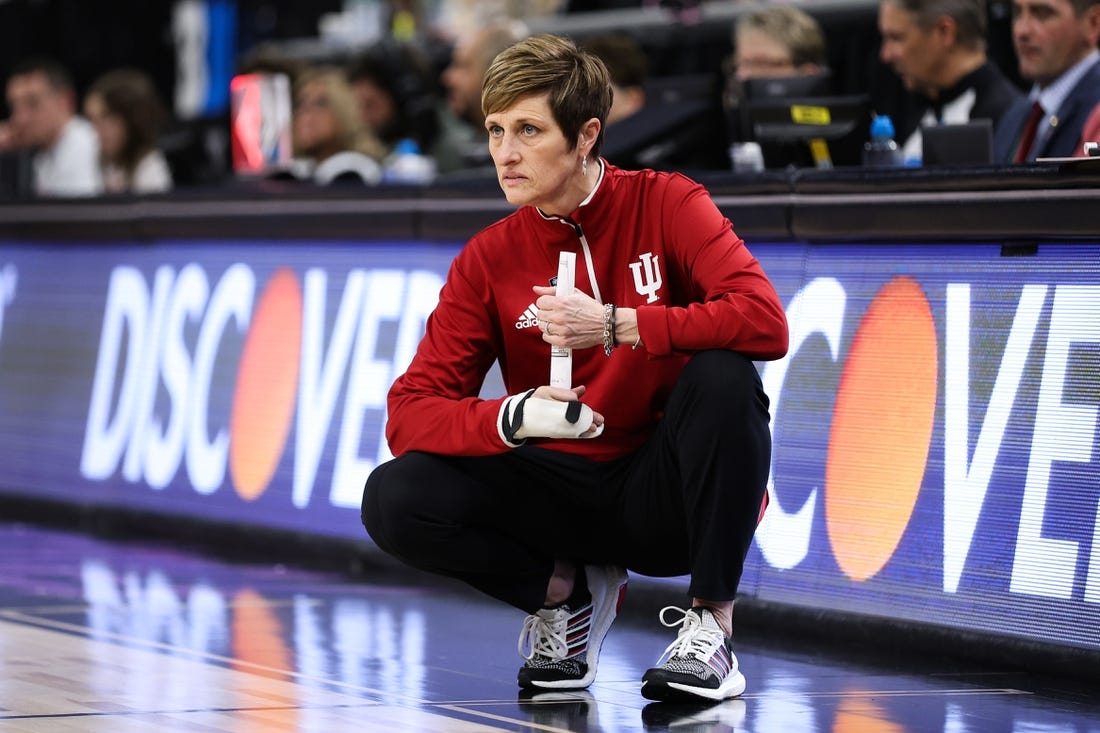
575, 321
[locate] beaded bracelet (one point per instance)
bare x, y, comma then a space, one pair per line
608, 328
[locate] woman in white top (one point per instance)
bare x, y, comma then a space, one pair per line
127, 113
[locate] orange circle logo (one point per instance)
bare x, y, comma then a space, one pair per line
881, 429
267, 386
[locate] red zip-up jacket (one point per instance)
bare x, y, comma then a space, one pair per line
646, 240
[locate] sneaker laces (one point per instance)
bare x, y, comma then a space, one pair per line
694, 639
544, 636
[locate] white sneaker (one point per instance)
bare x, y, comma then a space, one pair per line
700, 664
562, 644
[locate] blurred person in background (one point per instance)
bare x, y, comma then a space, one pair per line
775, 42
42, 101
1055, 42
330, 140
463, 143
938, 49
628, 66
127, 114
393, 86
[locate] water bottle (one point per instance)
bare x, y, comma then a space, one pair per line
882, 150
407, 166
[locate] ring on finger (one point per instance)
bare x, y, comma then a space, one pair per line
548, 332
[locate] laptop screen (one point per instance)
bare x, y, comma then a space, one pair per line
967, 143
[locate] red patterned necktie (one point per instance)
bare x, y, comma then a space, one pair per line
1027, 138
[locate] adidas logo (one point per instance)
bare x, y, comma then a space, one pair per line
528, 318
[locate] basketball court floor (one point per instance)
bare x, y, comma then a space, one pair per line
118, 636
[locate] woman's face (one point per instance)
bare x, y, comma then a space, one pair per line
759, 56
534, 163
108, 126
314, 124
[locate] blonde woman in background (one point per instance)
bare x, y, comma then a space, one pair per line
330, 139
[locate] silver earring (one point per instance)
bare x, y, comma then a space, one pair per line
584, 166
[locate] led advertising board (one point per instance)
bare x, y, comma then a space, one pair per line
934, 424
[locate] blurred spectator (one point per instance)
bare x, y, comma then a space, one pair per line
1055, 43
627, 65
42, 101
330, 139
127, 114
937, 48
393, 87
463, 123
778, 41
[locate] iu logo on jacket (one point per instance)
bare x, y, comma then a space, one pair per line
647, 276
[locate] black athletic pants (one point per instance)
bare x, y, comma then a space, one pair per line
686, 502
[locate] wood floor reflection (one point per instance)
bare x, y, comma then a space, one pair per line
109, 636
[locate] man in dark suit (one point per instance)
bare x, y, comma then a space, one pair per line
1055, 42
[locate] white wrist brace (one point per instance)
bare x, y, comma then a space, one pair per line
523, 416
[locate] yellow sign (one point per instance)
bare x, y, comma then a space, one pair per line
806, 115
